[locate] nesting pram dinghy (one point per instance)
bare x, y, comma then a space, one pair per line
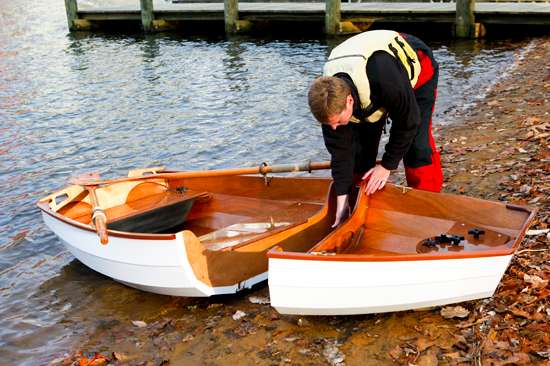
401, 249
190, 233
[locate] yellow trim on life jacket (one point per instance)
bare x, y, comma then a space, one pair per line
351, 58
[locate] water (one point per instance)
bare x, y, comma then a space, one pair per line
108, 103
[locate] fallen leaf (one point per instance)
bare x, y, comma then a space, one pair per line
333, 355
521, 313
121, 357
452, 355
535, 280
516, 359
428, 359
187, 338
259, 300
422, 344
139, 323
502, 345
238, 315
537, 232
532, 120
454, 312
395, 352
97, 360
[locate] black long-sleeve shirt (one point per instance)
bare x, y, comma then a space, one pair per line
391, 89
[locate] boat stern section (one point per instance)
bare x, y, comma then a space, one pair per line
157, 263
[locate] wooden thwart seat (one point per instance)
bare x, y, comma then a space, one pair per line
152, 214
148, 214
241, 229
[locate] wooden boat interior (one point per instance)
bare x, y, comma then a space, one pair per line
401, 223
246, 208
223, 212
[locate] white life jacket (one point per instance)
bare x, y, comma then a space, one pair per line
351, 57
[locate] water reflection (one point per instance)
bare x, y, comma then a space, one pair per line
71, 103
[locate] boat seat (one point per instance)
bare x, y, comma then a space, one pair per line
253, 228
153, 213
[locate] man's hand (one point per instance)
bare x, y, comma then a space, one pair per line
342, 209
378, 177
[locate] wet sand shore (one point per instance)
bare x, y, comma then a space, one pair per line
500, 152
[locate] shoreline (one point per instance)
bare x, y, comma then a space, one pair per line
499, 152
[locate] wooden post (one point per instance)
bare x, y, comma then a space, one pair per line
231, 15
72, 15
465, 22
332, 16
147, 14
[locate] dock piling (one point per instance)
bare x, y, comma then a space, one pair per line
332, 16
231, 15
465, 20
72, 13
147, 16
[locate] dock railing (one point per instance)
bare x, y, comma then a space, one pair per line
358, 15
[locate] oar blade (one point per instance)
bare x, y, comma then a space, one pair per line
85, 179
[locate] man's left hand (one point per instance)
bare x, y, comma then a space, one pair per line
378, 178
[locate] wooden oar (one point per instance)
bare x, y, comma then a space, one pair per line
98, 214
98, 217
262, 169
91, 182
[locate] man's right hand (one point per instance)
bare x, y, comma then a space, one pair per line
342, 209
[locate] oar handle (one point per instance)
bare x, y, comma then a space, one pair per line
98, 217
307, 166
100, 221
262, 169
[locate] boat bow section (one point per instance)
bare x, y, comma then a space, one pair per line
339, 287
401, 249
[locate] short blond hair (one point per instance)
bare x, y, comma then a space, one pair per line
327, 97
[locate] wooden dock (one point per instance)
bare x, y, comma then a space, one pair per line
337, 17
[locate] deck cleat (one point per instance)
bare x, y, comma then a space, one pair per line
430, 242
449, 239
475, 232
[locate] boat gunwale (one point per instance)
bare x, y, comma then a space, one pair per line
43, 205
113, 233
278, 253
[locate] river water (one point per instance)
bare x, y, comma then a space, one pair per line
108, 103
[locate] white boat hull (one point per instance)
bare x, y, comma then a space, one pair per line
159, 266
325, 287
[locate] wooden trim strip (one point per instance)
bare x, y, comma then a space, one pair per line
511, 206
278, 253
521, 234
112, 233
262, 169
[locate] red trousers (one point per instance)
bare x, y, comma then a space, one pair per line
422, 161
